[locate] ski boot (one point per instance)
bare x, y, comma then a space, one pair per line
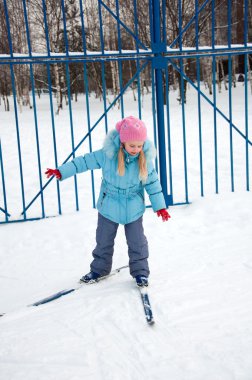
142, 280
90, 277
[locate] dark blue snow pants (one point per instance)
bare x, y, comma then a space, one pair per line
137, 247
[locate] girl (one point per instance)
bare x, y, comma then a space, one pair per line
127, 168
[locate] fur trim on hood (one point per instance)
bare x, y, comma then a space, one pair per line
112, 144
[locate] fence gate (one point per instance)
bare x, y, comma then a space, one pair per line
69, 69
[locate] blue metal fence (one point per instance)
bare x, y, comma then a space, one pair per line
171, 42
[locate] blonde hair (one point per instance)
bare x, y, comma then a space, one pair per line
143, 172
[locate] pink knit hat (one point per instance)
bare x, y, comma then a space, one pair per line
131, 129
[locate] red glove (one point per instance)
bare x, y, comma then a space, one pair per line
50, 172
164, 213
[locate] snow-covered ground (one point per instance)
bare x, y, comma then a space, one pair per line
200, 283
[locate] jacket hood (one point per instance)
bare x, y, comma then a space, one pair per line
112, 144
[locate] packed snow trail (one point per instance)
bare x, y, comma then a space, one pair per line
200, 290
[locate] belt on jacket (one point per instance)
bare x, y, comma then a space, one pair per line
113, 190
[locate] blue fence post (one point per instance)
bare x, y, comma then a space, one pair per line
3, 184
182, 99
246, 58
158, 64
69, 97
199, 98
169, 131
137, 62
32, 82
214, 101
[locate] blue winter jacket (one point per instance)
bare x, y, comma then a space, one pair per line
121, 198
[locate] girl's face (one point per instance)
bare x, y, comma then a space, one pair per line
133, 147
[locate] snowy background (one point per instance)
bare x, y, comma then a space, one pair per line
200, 261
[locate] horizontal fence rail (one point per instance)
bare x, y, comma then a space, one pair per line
70, 69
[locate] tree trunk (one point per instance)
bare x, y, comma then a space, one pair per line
57, 85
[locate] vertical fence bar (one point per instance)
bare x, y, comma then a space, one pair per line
214, 101
180, 24
153, 98
215, 128
46, 29
18, 138
159, 48
83, 34
200, 129
86, 84
89, 127
101, 27
229, 24
15, 110
153, 84
182, 97
72, 130
169, 129
137, 61
245, 24
120, 51
230, 74
51, 103
34, 107
136, 25
104, 95
53, 133
103, 67
199, 97
182, 84
197, 24
27, 28
164, 22
64, 27
213, 24
246, 58
69, 100
37, 139
230, 121
3, 185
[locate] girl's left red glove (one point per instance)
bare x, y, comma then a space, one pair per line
55, 172
164, 213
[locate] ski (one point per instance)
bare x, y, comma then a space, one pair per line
146, 305
64, 292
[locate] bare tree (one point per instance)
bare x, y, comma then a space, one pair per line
19, 45
4, 70
47, 35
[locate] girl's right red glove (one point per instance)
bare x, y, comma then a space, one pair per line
55, 172
164, 213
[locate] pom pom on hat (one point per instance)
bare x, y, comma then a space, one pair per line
131, 129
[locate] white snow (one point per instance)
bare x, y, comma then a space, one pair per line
200, 261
